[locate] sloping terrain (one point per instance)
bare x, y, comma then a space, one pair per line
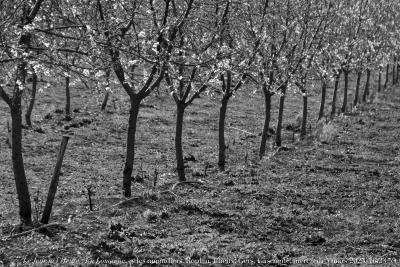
316, 202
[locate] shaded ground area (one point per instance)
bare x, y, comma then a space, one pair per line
313, 203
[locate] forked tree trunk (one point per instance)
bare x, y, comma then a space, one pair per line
323, 97
380, 82
28, 113
357, 92
303, 130
387, 77
337, 79
24, 200
366, 89
67, 99
345, 91
278, 138
221, 133
180, 167
130, 147
267, 119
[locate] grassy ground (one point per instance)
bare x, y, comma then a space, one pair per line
311, 204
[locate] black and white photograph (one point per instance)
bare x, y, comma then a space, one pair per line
199, 133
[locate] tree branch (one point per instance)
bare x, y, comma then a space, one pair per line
5, 96
34, 11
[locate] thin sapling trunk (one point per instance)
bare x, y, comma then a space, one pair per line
386, 77
303, 130
54, 182
180, 167
67, 98
28, 114
278, 137
221, 133
335, 90
366, 89
345, 91
130, 147
380, 82
323, 98
267, 119
357, 92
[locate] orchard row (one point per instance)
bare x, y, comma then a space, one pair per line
192, 47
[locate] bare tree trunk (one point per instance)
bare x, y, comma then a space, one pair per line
107, 95
278, 138
398, 72
67, 99
267, 119
130, 147
221, 132
357, 92
25, 210
387, 77
323, 97
24, 200
180, 167
346, 87
366, 89
303, 130
105, 100
394, 71
380, 82
337, 79
28, 113
54, 182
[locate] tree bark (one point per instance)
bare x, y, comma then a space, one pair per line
28, 113
398, 73
337, 79
278, 138
366, 89
221, 132
323, 97
130, 147
267, 119
24, 200
387, 77
394, 71
107, 95
380, 82
67, 99
346, 87
357, 92
54, 182
303, 130
105, 101
180, 167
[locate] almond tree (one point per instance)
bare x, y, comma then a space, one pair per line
267, 37
196, 63
16, 40
317, 17
352, 16
232, 64
138, 33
